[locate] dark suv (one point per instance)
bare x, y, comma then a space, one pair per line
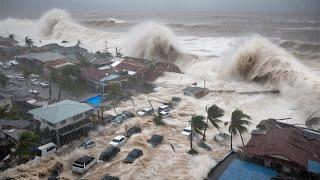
133, 155
109, 153
133, 130
155, 140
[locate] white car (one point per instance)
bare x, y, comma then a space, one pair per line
33, 76
20, 78
164, 113
165, 108
186, 131
118, 141
145, 112
44, 84
33, 91
34, 82
82, 164
88, 144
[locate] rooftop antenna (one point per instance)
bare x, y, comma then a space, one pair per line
106, 47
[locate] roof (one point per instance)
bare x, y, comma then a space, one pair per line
314, 166
119, 137
93, 74
245, 170
14, 133
129, 66
62, 110
22, 124
42, 56
288, 143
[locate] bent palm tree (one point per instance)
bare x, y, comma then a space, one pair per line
213, 112
197, 125
238, 124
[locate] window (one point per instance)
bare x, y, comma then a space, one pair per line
51, 148
76, 117
63, 122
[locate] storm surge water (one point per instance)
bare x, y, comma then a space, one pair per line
261, 61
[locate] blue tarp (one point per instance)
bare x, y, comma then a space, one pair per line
314, 167
244, 170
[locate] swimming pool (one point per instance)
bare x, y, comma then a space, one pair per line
95, 100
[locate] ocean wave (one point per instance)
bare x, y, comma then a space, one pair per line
153, 41
259, 60
301, 46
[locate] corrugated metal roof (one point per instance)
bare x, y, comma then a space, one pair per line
62, 110
286, 142
42, 56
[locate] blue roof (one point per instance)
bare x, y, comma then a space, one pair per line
314, 166
62, 110
244, 170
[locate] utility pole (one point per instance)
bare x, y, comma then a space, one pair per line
152, 108
50, 93
106, 47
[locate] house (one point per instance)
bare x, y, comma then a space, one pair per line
195, 91
5, 101
144, 69
39, 61
292, 151
98, 79
99, 59
71, 52
69, 119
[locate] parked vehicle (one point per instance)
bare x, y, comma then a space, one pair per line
133, 155
119, 119
46, 149
44, 84
186, 131
107, 118
82, 164
145, 112
129, 114
33, 91
133, 130
107, 177
20, 78
5, 65
34, 82
109, 153
164, 113
164, 108
155, 140
88, 144
118, 141
33, 76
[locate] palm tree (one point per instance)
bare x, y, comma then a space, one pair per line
238, 124
213, 112
197, 125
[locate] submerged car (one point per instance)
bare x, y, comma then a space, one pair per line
186, 131
145, 112
109, 153
107, 177
129, 114
88, 144
118, 141
133, 130
164, 108
82, 164
155, 140
133, 155
44, 85
119, 119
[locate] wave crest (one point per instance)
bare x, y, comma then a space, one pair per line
51, 18
153, 41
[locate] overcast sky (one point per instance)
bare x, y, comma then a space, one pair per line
37, 7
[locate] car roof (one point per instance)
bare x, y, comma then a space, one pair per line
164, 106
119, 137
84, 159
147, 109
188, 128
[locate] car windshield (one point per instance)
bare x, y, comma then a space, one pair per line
116, 140
187, 130
77, 165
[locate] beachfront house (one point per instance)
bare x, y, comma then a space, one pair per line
69, 119
98, 79
39, 61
